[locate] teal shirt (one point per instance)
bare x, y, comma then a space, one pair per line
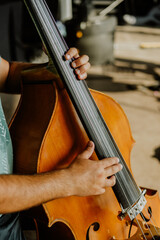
6, 152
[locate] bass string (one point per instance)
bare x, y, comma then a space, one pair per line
141, 229
58, 53
147, 226
152, 220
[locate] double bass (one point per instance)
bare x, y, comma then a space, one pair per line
58, 112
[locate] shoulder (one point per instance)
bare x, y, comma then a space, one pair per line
4, 69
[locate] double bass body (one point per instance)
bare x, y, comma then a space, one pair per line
47, 134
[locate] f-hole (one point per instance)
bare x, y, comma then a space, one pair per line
95, 227
150, 213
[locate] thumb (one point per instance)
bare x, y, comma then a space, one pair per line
88, 151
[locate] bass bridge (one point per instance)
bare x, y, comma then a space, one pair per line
135, 209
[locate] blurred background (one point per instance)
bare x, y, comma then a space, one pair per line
83, 23
122, 39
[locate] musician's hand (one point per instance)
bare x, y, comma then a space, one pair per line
92, 177
80, 64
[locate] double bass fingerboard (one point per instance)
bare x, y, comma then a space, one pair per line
126, 190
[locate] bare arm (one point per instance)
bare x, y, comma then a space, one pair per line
83, 177
4, 70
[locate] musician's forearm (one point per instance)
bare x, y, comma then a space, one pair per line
22, 192
83, 177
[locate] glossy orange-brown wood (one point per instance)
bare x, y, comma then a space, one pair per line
47, 134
